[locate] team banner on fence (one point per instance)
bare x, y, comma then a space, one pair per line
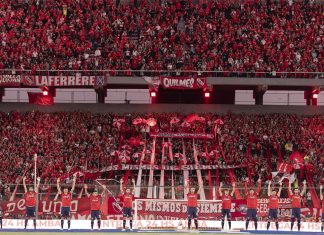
154, 209
208, 210
76, 80
169, 82
10, 80
166, 167
182, 135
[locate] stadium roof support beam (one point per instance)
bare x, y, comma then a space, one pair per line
101, 94
258, 93
2, 93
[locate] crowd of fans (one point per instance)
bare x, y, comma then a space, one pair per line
251, 36
80, 142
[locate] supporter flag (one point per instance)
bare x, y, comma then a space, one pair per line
138, 121
40, 99
174, 120
284, 168
194, 117
118, 122
291, 177
297, 160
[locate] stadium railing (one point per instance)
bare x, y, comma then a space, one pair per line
174, 73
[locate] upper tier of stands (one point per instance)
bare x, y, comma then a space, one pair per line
221, 35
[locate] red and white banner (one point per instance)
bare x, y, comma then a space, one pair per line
155, 209
167, 167
208, 210
10, 80
177, 82
182, 135
79, 206
76, 80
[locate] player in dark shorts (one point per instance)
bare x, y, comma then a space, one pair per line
66, 198
192, 197
273, 205
252, 204
95, 203
31, 200
226, 204
296, 199
322, 199
128, 197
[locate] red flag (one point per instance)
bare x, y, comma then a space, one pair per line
284, 168
297, 159
39, 98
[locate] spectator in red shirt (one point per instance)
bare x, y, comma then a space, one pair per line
226, 204
95, 202
273, 204
31, 200
66, 198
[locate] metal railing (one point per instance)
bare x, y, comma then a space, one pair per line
140, 73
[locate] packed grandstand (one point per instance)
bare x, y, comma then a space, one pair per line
249, 36
90, 145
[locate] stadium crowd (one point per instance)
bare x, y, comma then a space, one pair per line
67, 143
269, 36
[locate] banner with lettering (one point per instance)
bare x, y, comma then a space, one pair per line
76, 80
168, 82
182, 135
156, 209
208, 210
10, 80
124, 167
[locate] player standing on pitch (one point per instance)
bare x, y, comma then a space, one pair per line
273, 205
128, 197
322, 199
226, 204
95, 202
31, 200
192, 197
296, 199
66, 197
252, 204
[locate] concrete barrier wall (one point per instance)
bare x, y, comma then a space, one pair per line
164, 108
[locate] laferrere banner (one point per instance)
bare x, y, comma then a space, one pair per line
76, 80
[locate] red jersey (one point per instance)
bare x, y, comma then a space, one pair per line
252, 201
30, 198
323, 205
226, 201
192, 199
66, 199
128, 200
295, 200
95, 202
273, 202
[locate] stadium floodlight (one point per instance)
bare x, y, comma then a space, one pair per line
207, 94
153, 94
